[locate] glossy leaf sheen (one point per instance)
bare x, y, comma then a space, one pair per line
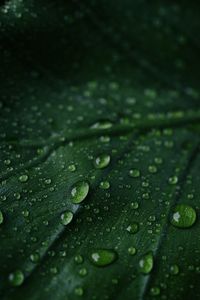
111, 81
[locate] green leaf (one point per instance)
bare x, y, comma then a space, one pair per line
100, 123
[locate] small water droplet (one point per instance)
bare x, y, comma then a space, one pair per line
174, 270
47, 181
173, 180
133, 228
155, 291
78, 291
134, 173
183, 216
23, 178
66, 217
132, 250
152, 169
146, 263
72, 168
83, 272
103, 257
79, 191
102, 125
35, 257
102, 161
1, 217
104, 185
16, 278
78, 259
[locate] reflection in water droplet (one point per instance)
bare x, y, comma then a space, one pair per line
79, 191
183, 216
103, 257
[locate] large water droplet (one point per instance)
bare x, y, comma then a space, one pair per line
183, 216
103, 257
146, 263
16, 278
79, 191
102, 161
66, 217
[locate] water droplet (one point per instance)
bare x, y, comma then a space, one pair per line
102, 161
72, 168
184, 216
105, 139
146, 263
104, 185
134, 173
152, 169
174, 269
1, 217
78, 259
16, 278
83, 272
66, 217
35, 257
25, 213
132, 250
134, 205
23, 178
102, 125
7, 162
103, 257
47, 181
78, 291
155, 291
158, 160
173, 180
79, 191
133, 228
